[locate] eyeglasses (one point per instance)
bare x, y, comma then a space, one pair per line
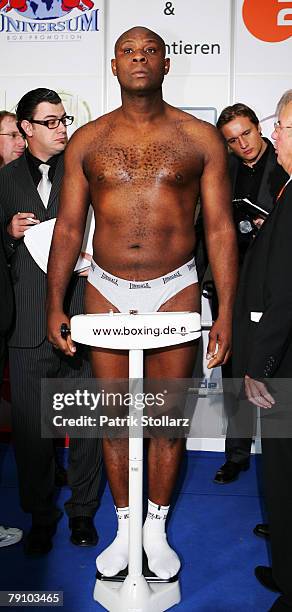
278, 127
13, 135
51, 124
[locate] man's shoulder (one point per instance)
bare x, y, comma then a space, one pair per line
201, 134
10, 168
189, 121
91, 130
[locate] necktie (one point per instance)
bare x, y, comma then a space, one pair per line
44, 186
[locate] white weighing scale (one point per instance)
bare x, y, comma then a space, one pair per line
136, 332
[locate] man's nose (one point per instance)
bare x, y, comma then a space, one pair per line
274, 135
139, 56
242, 142
62, 129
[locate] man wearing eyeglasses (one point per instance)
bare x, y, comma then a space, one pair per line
29, 189
262, 355
12, 143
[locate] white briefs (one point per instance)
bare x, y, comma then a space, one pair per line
142, 296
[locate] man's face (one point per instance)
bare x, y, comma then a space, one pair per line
42, 141
244, 139
12, 143
140, 64
282, 136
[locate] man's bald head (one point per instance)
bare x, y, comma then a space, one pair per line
129, 34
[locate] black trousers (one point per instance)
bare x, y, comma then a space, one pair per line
240, 425
3, 355
277, 473
34, 454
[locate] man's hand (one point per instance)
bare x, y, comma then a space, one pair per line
258, 222
55, 320
257, 393
219, 346
21, 222
89, 258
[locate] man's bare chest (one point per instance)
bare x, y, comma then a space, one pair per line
155, 161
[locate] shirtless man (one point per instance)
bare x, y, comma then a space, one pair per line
143, 167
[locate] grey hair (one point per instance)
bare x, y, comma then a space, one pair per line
284, 100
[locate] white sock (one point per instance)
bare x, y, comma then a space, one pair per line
115, 557
162, 560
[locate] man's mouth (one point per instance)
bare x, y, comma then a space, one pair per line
139, 73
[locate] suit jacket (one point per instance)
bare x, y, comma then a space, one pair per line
6, 295
264, 349
274, 176
18, 193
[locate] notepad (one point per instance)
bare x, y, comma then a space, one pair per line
38, 240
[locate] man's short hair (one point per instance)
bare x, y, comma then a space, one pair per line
151, 32
26, 106
236, 110
284, 100
5, 113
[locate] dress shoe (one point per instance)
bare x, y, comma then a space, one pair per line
39, 540
230, 471
265, 577
83, 532
262, 530
9, 535
60, 476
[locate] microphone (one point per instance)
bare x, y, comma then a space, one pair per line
245, 227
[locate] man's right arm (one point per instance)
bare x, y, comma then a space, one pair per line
67, 240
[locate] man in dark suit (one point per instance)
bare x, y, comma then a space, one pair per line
8, 535
29, 189
12, 145
255, 175
262, 354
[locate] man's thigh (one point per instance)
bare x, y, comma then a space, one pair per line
175, 361
105, 363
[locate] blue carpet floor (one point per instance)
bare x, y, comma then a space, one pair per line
210, 527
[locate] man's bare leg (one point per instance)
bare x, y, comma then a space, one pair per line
164, 455
109, 364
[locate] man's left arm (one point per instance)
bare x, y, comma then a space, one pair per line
273, 332
221, 243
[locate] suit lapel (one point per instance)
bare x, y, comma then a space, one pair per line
264, 197
57, 181
24, 179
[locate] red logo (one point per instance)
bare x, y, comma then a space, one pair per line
19, 5
66, 6
268, 20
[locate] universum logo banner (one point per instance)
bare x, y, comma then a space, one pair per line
47, 20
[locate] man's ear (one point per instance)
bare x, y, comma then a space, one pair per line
114, 67
166, 65
27, 127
